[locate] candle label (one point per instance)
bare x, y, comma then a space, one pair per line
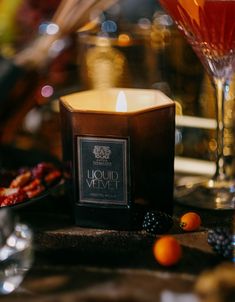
102, 170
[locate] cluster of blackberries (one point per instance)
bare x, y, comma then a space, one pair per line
221, 240
156, 222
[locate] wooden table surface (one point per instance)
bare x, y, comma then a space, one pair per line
78, 264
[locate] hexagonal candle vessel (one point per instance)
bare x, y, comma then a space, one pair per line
119, 147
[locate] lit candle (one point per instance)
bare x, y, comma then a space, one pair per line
119, 144
121, 104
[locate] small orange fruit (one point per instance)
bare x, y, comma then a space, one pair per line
167, 250
190, 221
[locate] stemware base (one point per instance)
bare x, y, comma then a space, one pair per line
201, 192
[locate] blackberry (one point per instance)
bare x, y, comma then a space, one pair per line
156, 222
221, 240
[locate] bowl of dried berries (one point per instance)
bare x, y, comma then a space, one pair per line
27, 176
27, 184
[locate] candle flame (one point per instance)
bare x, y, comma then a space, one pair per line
121, 104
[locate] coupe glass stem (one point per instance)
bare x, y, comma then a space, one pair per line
221, 86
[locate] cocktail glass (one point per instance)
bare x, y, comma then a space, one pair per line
209, 26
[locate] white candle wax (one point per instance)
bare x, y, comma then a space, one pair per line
106, 100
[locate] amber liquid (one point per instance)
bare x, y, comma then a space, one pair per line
209, 26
